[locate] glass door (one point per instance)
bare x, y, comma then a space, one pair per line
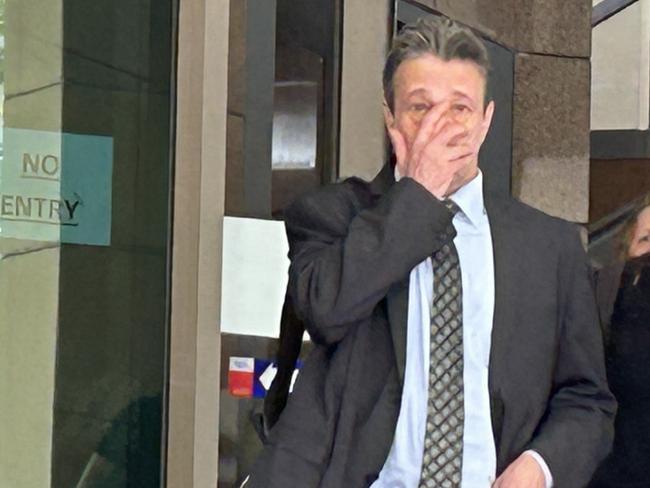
86, 92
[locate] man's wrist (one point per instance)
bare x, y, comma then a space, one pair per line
543, 466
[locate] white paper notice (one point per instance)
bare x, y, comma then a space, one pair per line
254, 278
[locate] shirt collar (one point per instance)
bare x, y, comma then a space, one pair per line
469, 198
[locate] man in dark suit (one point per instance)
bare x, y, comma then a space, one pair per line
457, 340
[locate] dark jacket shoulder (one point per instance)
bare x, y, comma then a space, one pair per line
331, 205
547, 228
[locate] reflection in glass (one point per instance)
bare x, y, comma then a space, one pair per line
295, 124
2, 75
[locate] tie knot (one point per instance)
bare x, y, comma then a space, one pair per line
451, 206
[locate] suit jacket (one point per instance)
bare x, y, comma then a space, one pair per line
352, 247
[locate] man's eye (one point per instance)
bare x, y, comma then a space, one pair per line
420, 107
461, 109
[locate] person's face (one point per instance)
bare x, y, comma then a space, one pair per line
423, 82
640, 243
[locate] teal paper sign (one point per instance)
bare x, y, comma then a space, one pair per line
56, 187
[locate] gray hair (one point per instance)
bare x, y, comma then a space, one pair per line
439, 36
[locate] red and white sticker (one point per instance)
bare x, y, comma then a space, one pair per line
241, 377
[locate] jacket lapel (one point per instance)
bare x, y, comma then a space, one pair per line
397, 305
397, 297
505, 243
384, 179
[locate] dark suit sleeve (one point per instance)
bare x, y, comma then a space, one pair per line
577, 431
344, 257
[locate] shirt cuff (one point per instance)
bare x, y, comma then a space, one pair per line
542, 464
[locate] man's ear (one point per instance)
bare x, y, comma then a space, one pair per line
487, 120
389, 118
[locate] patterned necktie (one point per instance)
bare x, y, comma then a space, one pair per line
443, 443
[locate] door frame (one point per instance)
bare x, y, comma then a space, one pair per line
198, 210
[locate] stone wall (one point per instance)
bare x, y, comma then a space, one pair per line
552, 44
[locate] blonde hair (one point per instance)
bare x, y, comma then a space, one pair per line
627, 232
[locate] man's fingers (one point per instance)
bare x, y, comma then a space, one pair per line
438, 145
442, 121
428, 126
455, 153
450, 132
399, 146
499, 483
459, 164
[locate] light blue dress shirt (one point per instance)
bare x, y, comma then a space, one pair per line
474, 245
